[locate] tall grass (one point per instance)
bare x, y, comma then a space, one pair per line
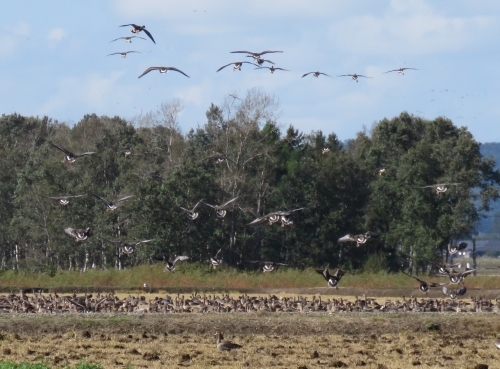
196, 276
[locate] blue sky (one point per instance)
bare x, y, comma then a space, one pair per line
54, 59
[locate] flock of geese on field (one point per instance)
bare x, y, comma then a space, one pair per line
258, 60
53, 303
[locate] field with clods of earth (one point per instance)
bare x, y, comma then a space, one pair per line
350, 332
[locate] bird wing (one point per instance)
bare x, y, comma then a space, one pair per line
71, 232
245, 52
360, 75
113, 54
325, 74
74, 196
101, 198
84, 153
148, 70
215, 257
143, 241
306, 74
149, 35
180, 258
228, 202
268, 51
198, 203
393, 70
185, 209
177, 70
124, 198
346, 238
62, 149
223, 67
212, 206
133, 25
345, 75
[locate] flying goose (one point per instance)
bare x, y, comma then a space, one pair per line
444, 269
170, 265
332, 279
71, 157
216, 262
424, 286
275, 217
236, 65
219, 209
325, 150
79, 234
360, 239
260, 61
112, 205
453, 249
453, 293
441, 187
354, 76
128, 39
316, 74
268, 266
382, 171
127, 248
458, 277
191, 213
272, 69
162, 70
399, 70
123, 53
63, 200
257, 55
225, 345
137, 29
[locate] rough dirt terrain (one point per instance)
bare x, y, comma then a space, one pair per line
315, 340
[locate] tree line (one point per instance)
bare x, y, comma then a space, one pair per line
240, 151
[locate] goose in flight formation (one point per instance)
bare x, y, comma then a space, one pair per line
441, 187
424, 286
79, 234
136, 29
191, 212
220, 209
162, 70
354, 76
71, 157
360, 239
268, 266
224, 345
236, 65
128, 39
112, 205
399, 70
316, 74
127, 248
170, 265
453, 249
123, 53
457, 277
272, 69
332, 279
63, 200
259, 60
257, 56
275, 217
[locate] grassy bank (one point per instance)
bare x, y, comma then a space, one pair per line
230, 279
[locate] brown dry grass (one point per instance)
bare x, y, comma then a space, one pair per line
368, 340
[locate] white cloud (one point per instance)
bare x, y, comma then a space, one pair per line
407, 27
57, 34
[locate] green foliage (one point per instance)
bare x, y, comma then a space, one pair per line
240, 152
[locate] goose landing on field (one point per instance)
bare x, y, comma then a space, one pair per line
170, 265
424, 286
332, 279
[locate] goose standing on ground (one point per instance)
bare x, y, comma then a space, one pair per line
225, 345
441, 187
332, 279
112, 205
162, 70
399, 70
71, 157
424, 286
137, 29
191, 213
236, 65
268, 266
170, 265
354, 76
127, 39
79, 234
63, 200
272, 69
220, 209
360, 239
123, 53
316, 74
